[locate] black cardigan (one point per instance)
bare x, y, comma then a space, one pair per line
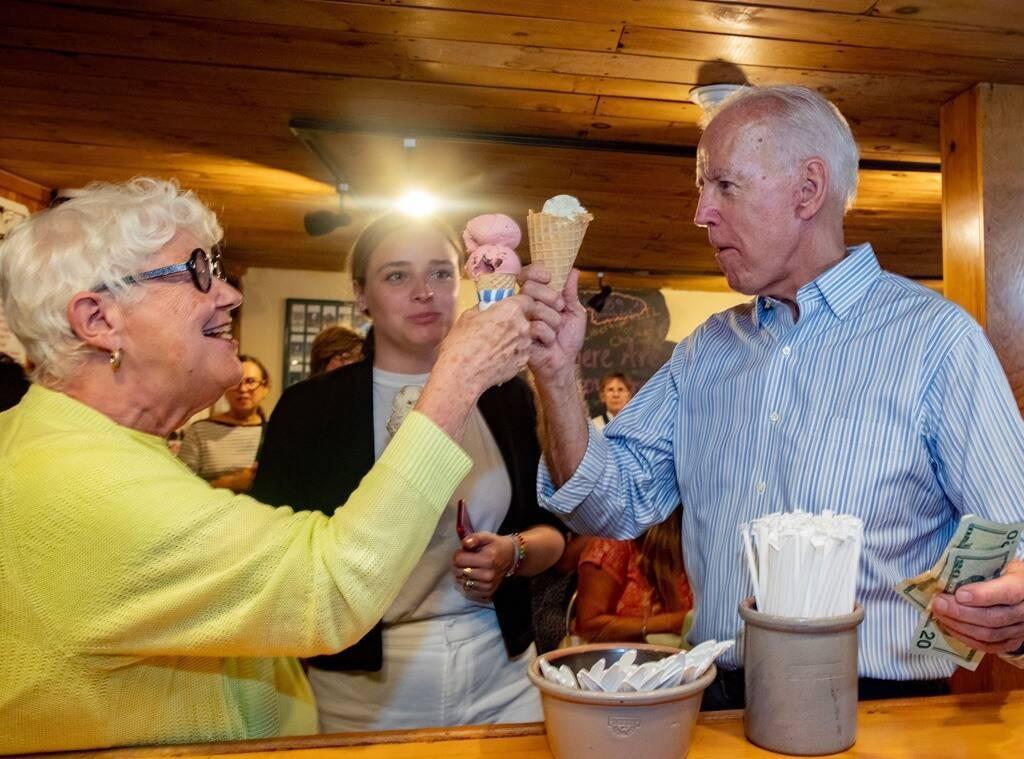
319, 444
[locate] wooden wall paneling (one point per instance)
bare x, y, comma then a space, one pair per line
963, 233
1002, 109
983, 252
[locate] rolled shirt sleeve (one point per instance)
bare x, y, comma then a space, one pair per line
626, 481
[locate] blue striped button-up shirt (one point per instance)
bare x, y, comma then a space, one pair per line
883, 400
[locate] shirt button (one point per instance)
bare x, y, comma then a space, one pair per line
786, 350
760, 487
774, 417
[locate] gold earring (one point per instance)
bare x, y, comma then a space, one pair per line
115, 359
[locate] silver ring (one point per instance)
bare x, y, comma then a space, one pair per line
469, 584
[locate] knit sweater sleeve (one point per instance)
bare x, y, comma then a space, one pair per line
138, 557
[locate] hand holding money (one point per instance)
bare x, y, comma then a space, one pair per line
989, 616
977, 554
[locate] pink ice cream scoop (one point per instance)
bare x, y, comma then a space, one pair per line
490, 240
491, 229
492, 259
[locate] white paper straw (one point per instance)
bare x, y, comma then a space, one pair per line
804, 565
749, 550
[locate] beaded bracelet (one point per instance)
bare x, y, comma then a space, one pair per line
520, 554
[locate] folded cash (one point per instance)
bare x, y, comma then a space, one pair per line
978, 551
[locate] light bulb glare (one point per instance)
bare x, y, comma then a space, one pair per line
417, 203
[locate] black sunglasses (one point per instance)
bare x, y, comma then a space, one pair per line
203, 267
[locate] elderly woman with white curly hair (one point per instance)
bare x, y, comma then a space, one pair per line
140, 604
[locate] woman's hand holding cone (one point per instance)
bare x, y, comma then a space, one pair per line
484, 348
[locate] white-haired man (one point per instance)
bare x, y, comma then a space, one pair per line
840, 386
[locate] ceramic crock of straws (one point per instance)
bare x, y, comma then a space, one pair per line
800, 631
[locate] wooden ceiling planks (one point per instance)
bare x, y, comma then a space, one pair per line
205, 91
671, 43
380, 19
1004, 15
940, 24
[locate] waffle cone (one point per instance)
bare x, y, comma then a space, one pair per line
496, 282
555, 241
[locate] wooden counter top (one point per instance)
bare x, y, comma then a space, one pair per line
985, 725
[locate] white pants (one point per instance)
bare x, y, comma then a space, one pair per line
437, 673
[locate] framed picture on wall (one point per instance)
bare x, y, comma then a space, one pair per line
303, 321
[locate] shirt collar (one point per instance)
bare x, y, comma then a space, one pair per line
847, 282
841, 287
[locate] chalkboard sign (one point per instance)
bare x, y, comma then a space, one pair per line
628, 336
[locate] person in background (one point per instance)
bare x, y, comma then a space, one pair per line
140, 605
13, 382
223, 448
454, 646
334, 347
838, 386
629, 589
615, 392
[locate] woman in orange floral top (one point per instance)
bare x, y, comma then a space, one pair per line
631, 588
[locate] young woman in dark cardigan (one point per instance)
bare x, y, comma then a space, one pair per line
454, 646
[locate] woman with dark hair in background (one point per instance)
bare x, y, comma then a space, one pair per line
629, 589
223, 448
333, 348
454, 646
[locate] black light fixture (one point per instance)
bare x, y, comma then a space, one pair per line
322, 222
598, 301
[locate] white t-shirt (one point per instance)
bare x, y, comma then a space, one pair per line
431, 590
599, 421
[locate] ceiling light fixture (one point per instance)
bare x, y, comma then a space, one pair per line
598, 301
322, 222
417, 203
710, 96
